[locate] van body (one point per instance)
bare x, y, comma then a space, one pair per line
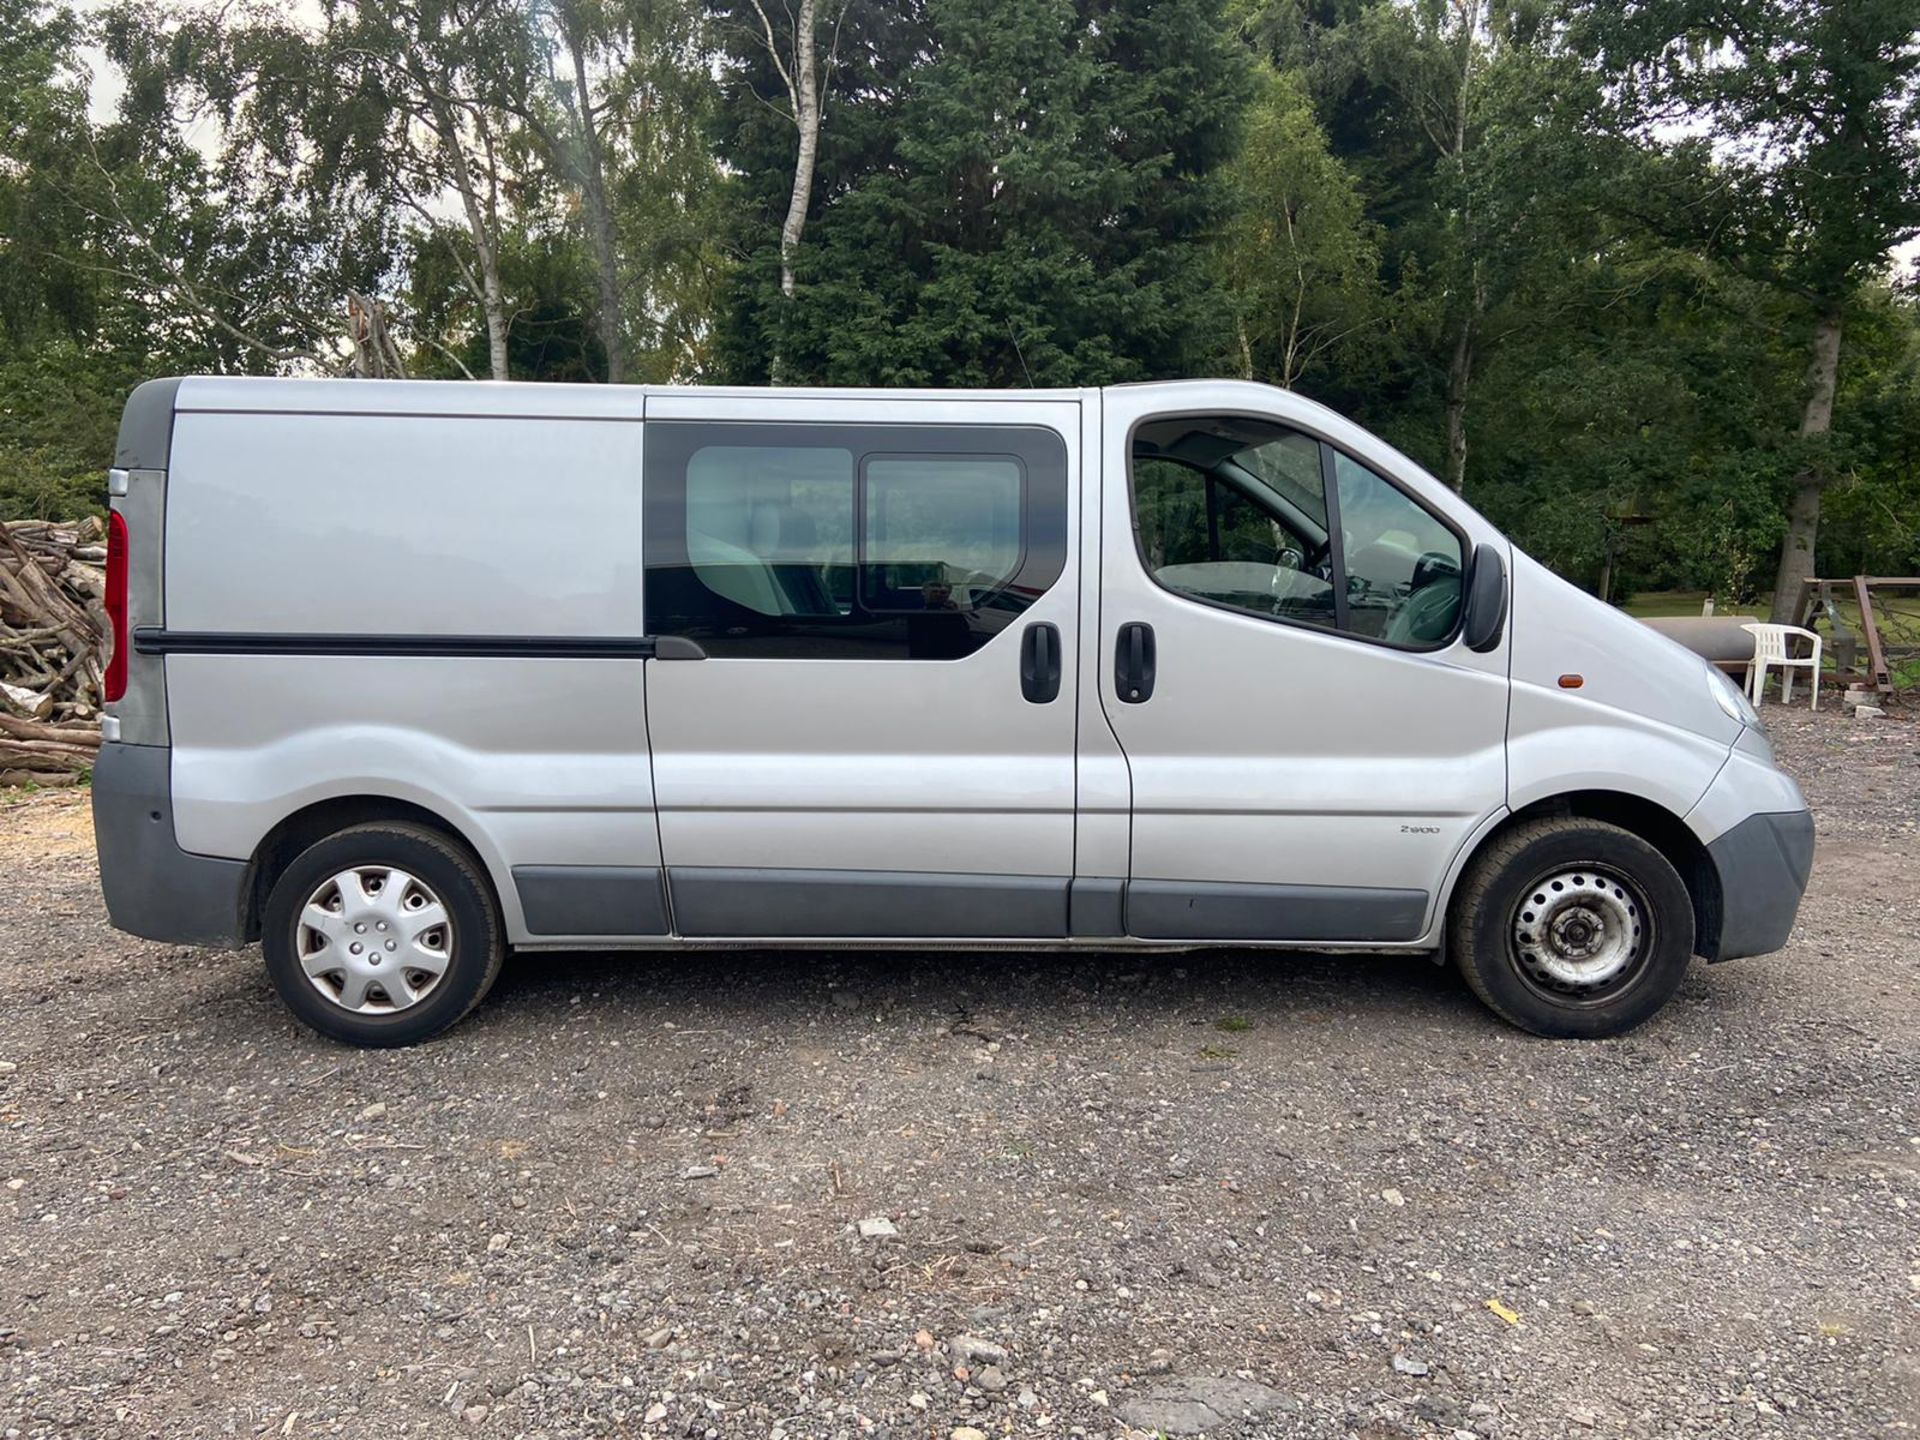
407, 673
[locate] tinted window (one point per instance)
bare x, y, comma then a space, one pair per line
1237, 513
941, 534
902, 542
771, 529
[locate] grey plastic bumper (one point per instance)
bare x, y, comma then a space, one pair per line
1763, 864
155, 889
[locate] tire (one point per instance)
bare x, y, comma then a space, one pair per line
410, 939
1572, 928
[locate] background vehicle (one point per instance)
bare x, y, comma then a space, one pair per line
409, 673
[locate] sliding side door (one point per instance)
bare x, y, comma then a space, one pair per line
862, 716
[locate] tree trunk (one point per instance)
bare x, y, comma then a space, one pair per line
493, 299
1803, 509
1459, 377
1460, 364
805, 81
593, 190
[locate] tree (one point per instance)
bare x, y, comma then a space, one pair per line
1024, 195
787, 67
1807, 176
442, 72
670, 195
44, 142
797, 57
1299, 254
1459, 123
621, 116
582, 31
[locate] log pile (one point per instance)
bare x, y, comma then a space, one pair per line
52, 652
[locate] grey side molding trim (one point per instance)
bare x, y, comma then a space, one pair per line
1763, 864
677, 647
859, 904
592, 899
153, 888
1202, 910
146, 426
1096, 908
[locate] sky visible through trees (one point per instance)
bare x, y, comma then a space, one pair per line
1639, 278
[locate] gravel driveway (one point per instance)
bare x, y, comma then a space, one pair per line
925, 1195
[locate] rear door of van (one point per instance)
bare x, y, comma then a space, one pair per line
866, 613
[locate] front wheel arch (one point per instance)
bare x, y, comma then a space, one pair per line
1651, 822
1571, 927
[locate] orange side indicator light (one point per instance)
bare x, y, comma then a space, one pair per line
1572, 682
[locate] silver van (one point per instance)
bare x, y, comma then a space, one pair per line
405, 674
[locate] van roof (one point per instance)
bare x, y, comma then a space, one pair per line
523, 398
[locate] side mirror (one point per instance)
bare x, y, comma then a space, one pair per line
1486, 600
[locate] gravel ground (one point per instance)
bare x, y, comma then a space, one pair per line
1252, 1195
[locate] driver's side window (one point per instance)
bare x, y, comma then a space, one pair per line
1240, 513
1236, 536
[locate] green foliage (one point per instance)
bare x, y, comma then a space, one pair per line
1299, 255
1033, 210
1568, 253
59, 409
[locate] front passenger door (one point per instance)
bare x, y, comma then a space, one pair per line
1309, 740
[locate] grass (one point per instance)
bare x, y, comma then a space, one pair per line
1898, 617
1665, 604
1233, 1024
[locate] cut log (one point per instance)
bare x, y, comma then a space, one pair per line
46, 780
32, 704
52, 648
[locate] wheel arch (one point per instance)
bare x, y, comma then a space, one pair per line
1647, 819
313, 823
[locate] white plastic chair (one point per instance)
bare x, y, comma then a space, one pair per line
1771, 646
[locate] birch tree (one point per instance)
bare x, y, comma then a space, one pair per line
424, 109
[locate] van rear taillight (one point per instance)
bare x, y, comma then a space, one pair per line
116, 681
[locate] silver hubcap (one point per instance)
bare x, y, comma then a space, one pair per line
1579, 930
374, 940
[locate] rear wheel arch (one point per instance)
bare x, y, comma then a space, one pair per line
313, 823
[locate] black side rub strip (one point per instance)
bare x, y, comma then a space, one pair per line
541, 647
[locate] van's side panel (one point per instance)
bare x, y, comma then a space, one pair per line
378, 525
359, 528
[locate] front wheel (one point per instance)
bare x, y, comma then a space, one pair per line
383, 934
1572, 928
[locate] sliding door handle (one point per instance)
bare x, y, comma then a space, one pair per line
1040, 663
1133, 662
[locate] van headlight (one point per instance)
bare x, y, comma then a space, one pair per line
1731, 698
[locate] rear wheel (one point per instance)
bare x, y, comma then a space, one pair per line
383, 934
1571, 927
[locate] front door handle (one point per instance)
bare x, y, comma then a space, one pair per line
1133, 662
1040, 663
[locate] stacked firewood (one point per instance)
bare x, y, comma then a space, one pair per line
52, 652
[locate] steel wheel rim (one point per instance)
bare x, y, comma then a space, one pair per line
1581, 934
374, 940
